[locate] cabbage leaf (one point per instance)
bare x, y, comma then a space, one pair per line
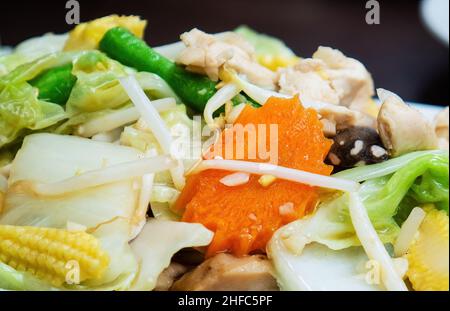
11, 279
98, 92
421, 181
158, 242
30, 50
108, 211
140, 137
326, 242
319, 268
20, 109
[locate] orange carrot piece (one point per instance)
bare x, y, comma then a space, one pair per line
245, 217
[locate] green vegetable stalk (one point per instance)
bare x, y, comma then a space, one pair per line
121, 45
55, 85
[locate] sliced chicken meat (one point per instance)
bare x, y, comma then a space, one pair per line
330, 77
402, 128
225, 272
207, 54
335, 118
442, 127
169, 276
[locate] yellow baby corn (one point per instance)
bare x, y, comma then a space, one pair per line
48, 254
428, 255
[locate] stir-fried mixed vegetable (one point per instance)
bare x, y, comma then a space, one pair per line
292, 178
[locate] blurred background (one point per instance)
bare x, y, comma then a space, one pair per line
403, 52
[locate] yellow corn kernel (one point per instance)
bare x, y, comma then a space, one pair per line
266, 180
428, 256
48, 253
274, 62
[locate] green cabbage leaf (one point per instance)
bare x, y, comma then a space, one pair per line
421, 180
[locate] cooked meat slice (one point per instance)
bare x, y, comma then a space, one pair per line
402, 128
330, 77
207, 54
169, 276
225, 272
336, 118
442, 126
349, 78
306, 78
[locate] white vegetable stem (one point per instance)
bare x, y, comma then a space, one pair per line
219, 99
373, 245
107, 175
279, 172
146, 189
108, 137
408, 231
151, 116
367, 172
257, 93
120, 118
235, 113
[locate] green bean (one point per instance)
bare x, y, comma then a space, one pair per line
193, 89
55, 85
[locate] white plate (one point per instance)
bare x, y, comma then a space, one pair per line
435, 15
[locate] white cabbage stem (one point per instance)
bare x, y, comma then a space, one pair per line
408, 231
112, 174
363, 173
108, 137
120, 118
373, 246
281, 172
401, 265
151, 116
146, 189
219, 99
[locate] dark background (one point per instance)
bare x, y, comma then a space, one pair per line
401, 53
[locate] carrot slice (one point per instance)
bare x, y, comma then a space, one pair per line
245, 217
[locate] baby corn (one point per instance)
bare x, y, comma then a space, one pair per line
48, 254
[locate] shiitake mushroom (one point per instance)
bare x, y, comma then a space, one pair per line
356, 146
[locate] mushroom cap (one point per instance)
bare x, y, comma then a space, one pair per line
355, 146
